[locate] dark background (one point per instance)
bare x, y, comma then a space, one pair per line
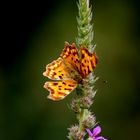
33, 34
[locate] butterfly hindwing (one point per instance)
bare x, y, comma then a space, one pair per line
59, 90
88, 62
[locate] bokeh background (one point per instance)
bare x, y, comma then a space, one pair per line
34, 35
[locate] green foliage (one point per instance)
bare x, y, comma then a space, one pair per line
85, 28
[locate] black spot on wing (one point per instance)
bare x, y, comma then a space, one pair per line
83, 56
82, 64
85, 71
74, 53
70, 85
64, 83
69, 89
60, 77
89, 71
54, 73
55, 84
77, 60
69, 53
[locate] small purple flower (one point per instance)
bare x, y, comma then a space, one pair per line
95, 132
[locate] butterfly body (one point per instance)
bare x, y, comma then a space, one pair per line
68, 70
74, 74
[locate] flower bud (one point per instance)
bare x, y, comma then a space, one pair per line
75, 134
89, 120
75, 106
86, 102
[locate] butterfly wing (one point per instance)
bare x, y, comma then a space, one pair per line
88, 62
59, 90
57, 70
70, 55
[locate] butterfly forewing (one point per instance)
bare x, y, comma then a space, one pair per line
57, 70
59, 90
70, 55
88, 62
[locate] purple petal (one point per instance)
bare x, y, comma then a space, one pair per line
100, 138
96, 130
89, 132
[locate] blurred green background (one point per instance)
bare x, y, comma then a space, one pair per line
35, 35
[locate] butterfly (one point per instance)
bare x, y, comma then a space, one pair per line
68, 71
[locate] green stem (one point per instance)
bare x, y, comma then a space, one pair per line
85, 38
81, 116
85, 92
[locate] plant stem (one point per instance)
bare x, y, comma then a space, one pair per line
85, 38
85, 92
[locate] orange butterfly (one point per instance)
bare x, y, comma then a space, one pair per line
68, 71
